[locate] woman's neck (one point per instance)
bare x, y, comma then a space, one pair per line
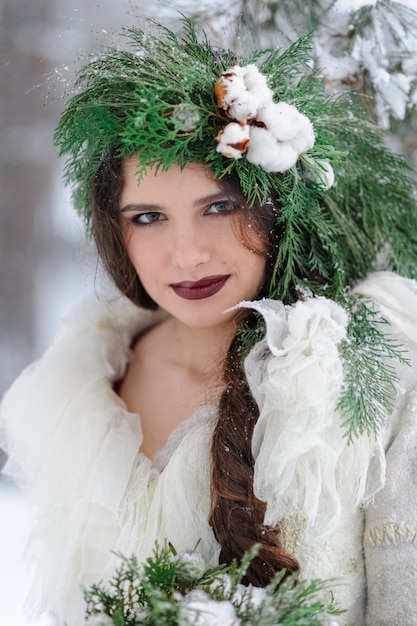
201, 350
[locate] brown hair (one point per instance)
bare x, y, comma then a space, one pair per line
237, 515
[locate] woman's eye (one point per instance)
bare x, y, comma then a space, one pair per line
148, 218
224, 207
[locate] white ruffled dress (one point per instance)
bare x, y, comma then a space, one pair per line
342, 508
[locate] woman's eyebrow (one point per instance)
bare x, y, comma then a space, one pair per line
214, 197
141, 207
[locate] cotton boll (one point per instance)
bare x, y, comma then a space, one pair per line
241, 91
273, 156
261, 143
283, 158
255, 83
320, 171
287, 124
305, 137
244, 107
325, 175
280, 132
233, 140
241, 104
233, 96
281, 120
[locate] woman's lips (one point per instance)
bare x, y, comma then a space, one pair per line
199, 289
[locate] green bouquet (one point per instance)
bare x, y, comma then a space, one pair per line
175, 589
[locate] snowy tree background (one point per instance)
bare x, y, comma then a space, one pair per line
368, 47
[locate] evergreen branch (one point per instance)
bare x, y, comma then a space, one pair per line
251, 334
158, 593
368, 395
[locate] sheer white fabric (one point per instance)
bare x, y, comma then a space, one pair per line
75, 445
298, 439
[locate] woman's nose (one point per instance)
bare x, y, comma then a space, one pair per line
190, 248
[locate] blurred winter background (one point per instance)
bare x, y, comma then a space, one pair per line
366, 46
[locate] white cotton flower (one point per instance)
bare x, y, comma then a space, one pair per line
321, 172
241, 91
326, 175
273, 134
99, 619
233, 140
281, 119
304, 138
243, 108
287, 134
273, 156
207, 613
233, 97
286, 123
255, 83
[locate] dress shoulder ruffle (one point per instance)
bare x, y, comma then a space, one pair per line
301, 453
92, 348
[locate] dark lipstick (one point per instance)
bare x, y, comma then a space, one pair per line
199, 289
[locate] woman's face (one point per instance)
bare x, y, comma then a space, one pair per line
181, 232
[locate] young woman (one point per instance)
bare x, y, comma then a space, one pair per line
252, 384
